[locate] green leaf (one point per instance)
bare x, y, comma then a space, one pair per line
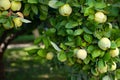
26, 10
32, 1
4, 13
46, 41
71, 24
42, 53
86, 30
100, 5
116, 5
63, 46
101, 64
43, 12
52, 21
88, 11
78, 41
59, 3
117, 41
107, 56
37, 40
69, 31
3, 20
78, 32
87, 60
96, 53
90, 3
55, 46
62, 56
118, 74
34, 9
114, 11
25, 20
61, 24
70, 43
50, 31
88, 38
113, 45
8, 24
91, 48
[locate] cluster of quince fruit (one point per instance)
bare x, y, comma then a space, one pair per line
104, 43
10, 13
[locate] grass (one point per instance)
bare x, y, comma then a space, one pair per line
21, 66
24, 39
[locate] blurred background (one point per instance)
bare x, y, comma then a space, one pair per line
19, 65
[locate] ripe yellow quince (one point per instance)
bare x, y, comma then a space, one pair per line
4, 4
114, 52
81, 54
100, 17
49, 56
17, 21
65, 10
106, 78
104, 43
103, 69
16, 5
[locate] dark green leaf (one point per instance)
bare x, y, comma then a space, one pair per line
69, 31
78, 32
107, 56
113, 45
42, 53
34, 9
32, 1
62, 56
59, 3
117, 42
71, 24
96, 53
78, 41
88, 38
37, 40
101, 64
100, 5
86, 30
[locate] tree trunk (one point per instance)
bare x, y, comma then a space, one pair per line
7, 37
2, 72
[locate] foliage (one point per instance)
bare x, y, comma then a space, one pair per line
64, 31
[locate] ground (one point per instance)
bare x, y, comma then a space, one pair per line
21, 66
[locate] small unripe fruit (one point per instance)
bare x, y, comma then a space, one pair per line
8, 27
113, 67
106, 77
114, 52
81, 54
15, 5
104, 43
51, 3
49, 56
65, 10
95, 72
103, 69
100, 17
17, 22
4, 4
